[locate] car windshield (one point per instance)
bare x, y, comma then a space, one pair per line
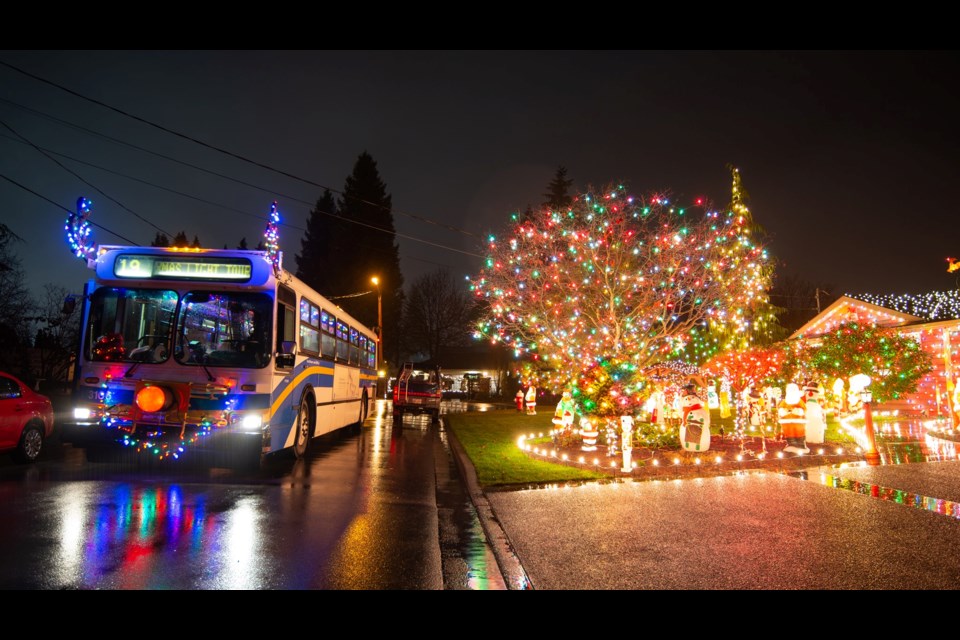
129, 325
224, 329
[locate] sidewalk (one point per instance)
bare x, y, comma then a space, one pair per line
844, 526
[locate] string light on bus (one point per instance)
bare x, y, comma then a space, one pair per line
271, 237
78, 231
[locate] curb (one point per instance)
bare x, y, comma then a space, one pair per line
513, 573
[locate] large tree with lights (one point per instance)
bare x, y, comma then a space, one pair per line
619, 278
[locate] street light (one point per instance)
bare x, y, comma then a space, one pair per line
376, 282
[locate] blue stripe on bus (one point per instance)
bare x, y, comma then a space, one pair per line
317, 373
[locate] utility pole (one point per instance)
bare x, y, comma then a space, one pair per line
818, 299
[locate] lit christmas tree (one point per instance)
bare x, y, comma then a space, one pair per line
620, 279
758, 323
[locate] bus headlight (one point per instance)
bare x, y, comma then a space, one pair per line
251, 422
82, 413
247, 422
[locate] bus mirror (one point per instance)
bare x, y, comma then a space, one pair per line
287, 355
69, 304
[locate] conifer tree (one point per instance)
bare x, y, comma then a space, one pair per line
365, 246
315, 264
558, 191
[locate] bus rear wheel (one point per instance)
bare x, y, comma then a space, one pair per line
304, 427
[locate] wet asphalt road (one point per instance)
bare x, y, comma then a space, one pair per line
385, 508
378, 509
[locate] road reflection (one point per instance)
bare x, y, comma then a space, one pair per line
902, 441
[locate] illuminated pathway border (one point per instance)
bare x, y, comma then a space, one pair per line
933, 504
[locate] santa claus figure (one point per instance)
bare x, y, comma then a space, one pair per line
531, 399
695, 424
589, 433
793, 420
816, 425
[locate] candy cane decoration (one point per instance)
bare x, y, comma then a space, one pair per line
78, 231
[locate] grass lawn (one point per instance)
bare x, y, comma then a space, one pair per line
490, 440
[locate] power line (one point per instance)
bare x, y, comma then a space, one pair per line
57, 204
151, 152
326, 213
229, 153
81, 179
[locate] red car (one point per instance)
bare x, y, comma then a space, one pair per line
26, 419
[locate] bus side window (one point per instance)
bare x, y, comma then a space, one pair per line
286, 326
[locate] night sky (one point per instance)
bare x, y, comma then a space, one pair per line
849, 158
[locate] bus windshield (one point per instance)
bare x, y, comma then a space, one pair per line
227, 329
129, 325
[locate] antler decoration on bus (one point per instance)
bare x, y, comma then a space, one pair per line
953, 265
270, 236
78, 231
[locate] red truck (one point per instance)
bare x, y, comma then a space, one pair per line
417, 392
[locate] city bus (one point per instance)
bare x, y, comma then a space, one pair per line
208, 351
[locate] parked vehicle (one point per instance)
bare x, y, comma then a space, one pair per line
26, 419
417, 392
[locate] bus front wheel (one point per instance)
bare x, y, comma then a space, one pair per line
304, 427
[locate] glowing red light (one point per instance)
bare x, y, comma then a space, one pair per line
152, 398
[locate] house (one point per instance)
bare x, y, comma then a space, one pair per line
933, 319
483, 370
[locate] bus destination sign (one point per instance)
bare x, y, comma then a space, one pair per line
181, 267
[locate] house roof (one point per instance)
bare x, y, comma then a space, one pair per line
885, 311
936, 305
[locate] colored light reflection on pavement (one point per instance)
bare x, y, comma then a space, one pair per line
899, 442
928, 503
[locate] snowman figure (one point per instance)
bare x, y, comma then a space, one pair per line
695, 424
816, 425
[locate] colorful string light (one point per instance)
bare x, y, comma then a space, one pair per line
78, 231
271, 237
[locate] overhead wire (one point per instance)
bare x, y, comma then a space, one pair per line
57, 204
294, 198
228, 152
82, 179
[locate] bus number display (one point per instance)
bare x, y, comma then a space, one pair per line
143, 266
